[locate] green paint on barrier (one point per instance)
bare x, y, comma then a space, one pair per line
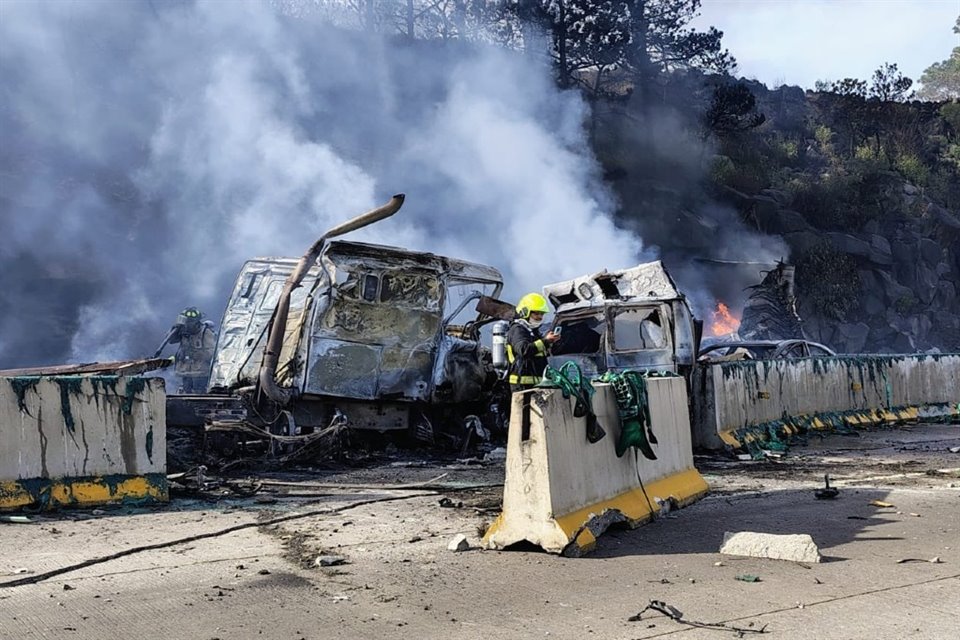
105, 386
21, 385
68, 385
149, 444
134, 386
775, 435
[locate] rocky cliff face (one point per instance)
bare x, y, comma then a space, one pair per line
905, 273
862, 197
897, 248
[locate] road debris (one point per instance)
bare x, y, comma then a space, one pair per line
497, 455
935, 560
16, 519
747, 577
881, 504
459, 543
828, 492
677, 616
795, 547
330, 561
201, 536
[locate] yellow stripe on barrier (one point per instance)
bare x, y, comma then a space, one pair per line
864, 418
729, 438
13, 495
910, 413
561, 491
50, 494
684, 487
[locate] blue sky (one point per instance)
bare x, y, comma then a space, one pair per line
798, 42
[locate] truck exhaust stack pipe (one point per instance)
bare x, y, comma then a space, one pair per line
271, 353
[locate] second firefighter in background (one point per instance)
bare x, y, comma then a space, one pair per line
527, 349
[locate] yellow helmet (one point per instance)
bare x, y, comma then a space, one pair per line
532, 302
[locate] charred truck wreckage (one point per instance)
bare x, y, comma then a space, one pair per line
371, 337
381, 339
383, 344
629, 319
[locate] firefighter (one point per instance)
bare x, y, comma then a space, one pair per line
197, 341
527, 349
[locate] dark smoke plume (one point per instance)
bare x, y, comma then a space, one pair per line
148, 148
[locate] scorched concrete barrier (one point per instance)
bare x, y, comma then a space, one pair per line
743, 402
561, 492
81, 440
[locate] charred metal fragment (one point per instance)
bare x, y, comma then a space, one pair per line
771, 310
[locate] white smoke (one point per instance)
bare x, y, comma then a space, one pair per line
149, 148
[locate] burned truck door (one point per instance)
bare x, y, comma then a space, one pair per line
376, 336
459, 373
640, 336
243, 328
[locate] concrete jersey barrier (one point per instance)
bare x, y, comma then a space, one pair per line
561, 492
81, 440
746, 401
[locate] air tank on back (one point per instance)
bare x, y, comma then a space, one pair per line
499, 350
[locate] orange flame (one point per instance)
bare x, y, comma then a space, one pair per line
723, 322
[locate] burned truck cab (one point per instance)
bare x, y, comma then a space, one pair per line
630, 319
371, 331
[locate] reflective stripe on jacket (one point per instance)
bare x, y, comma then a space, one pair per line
527, 354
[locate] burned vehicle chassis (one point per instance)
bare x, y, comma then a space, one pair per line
376, 338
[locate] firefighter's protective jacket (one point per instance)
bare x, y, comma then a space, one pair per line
527, 353
196, 349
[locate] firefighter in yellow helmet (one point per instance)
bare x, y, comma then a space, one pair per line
527, 349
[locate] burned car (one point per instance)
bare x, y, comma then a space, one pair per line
630, 319
762, 350
379, 336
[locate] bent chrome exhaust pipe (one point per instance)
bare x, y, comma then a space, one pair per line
271, 352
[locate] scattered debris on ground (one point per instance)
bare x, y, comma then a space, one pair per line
677, 616
795, 548
330, 561
459, 543
747, 577
828, 492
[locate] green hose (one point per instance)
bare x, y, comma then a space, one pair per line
633, 407
569, 379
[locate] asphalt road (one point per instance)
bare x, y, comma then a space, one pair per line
400, 581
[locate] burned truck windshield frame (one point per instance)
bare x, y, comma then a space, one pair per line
405, 288
370, 285
638, 329
582, 335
